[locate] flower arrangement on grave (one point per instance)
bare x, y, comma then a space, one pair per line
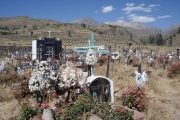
173, 69
45, 78
91, 58
135, 98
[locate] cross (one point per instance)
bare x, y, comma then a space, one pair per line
91, 45
49, 33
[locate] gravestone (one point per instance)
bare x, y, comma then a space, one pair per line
102, 87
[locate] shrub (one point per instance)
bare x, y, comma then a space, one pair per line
173, 69
105, 112
85, 104
21, 91
9, 78
135, 98
75, 110
27, 112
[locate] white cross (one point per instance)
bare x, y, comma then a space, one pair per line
49, 33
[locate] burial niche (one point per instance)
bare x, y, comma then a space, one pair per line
101, 88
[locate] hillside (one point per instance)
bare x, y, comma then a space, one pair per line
87, 21
21, 30
24, 21
173, 34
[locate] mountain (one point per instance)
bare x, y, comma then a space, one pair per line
22, 30
22, 21
87, 21
173, 33
138, 29
172, 29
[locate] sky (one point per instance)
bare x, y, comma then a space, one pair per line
157, 13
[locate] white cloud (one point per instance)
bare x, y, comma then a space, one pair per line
130, 4
142, 19
107, 9
164, 16
131, 7
136, 25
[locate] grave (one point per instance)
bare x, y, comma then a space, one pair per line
102, 88
43, 49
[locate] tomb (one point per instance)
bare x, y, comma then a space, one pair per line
101, 88
46, 48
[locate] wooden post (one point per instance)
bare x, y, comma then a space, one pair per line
12, 60
164, 64
107, 70
130, 45
139, 68
178, 52
119, 57
65, 53
20, 57
89, 70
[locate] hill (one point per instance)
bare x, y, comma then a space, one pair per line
21, 30
87, 21
24, 21
173, 34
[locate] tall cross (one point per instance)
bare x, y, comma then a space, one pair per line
49, 33
91, 45
92, 39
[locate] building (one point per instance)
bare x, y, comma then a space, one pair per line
43, 49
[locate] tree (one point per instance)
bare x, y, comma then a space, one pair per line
151, 39
159, 39
178, 32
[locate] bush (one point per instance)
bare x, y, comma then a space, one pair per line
85, 104
27, 112
173, 69
21, 91
135, 98
105, 112
9, 78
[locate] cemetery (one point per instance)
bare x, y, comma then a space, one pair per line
46, 82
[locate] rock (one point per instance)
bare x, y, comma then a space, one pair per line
138, 115
47, 114
94, 117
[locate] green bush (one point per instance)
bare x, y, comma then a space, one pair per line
85, 104
27, 112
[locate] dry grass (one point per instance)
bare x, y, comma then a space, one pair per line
164, 93
9, 107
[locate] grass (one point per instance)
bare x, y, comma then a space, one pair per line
163, 92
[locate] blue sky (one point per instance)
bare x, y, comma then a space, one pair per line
158, 13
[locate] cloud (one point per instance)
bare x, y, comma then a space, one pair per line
131, 7
107, 9
136, 25
164, 16
142, 19
138, 21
